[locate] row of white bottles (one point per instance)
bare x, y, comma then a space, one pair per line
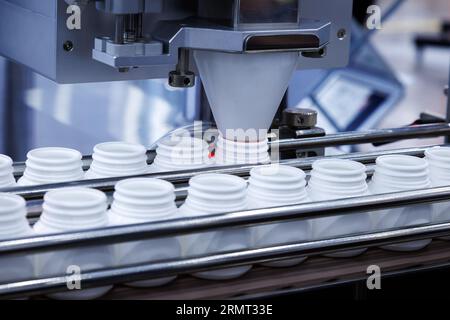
58, 165
152, 200
117, 159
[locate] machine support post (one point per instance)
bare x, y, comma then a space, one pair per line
120, 26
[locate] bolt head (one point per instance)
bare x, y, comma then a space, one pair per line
300, 118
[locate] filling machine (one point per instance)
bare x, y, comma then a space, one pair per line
148, 39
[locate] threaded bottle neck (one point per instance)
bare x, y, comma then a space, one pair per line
53, 165
6, 172
217, 193
277, 184
144, 199
232, 152
74, 209
181, 153
115, 159
438, 159
339, 178
400, 172
13, 216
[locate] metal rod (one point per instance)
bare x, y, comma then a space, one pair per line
120, 29
343, 138
183, 60
371, 136
229, 259
140, 26
235, 219
182, 177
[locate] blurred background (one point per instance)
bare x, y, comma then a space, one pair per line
395, 74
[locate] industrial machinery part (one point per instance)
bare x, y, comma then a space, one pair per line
339, 139
299, 123
147, 39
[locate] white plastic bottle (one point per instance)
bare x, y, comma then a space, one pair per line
180, 153
117, 159
14, 225
142, 201
333, 179
235, 152
274, 186
6, 172
52, 165
396, 173
210, 194
438, 159
68, 210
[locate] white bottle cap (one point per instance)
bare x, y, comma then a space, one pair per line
52, 165
71, 209
338, 178
181, 153
400, 173
438, 159
144, 199
232, 152
277, 185
117, 159
13, 216
217, 193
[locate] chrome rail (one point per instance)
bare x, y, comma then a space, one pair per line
338, 139
229, 259
371, 136
246, 218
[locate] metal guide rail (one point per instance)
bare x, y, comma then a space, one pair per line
116, 235
338, 139
35, 194
120, 274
